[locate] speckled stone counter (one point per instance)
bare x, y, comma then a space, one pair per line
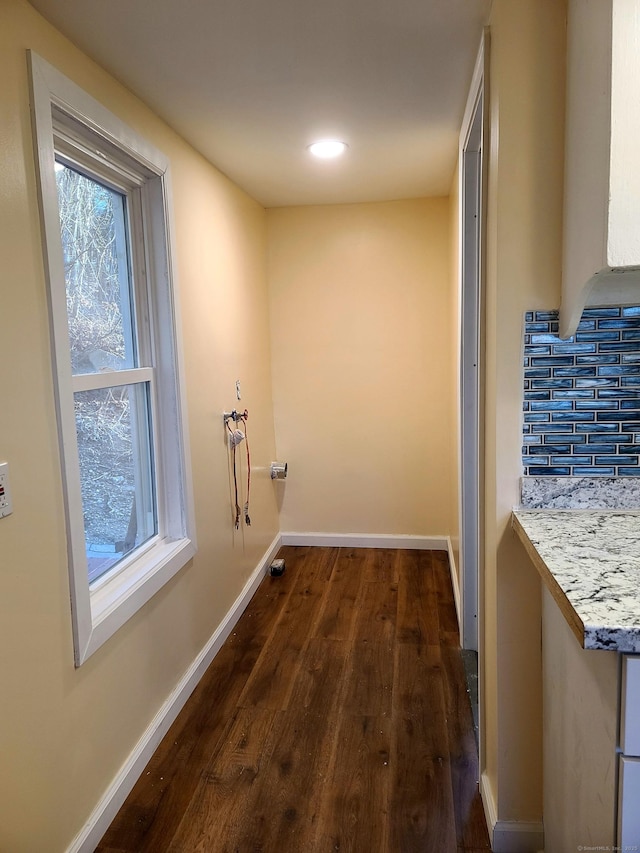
590, 561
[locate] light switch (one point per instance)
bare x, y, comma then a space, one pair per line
6, 507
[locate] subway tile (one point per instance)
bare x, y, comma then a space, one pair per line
628, 448
536, 417
608, 438
631, 426
536, 352
601, 448
528, 316
618, 346
550, 405
630, 404
585, 337
536, 460
550, 360
538, 373
565, 438
548, 428
532, 439
631, 334
587, 471
573, 349
597, 428
571, 460
537, 395
542, 338
623, 471
596, 405
585, 325
622, 370
537, 327
626, 381
595, 382
550, 316
575, 371
580, 394
624, 323
573, 417
625, 415
551, 383
617, 393
557, 448
597, 313
615, 460
631, 311
597, 359
559, 471
631, 357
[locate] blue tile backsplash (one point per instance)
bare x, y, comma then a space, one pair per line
582, 395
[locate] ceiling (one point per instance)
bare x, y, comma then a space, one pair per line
251, 83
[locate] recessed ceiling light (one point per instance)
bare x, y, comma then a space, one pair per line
328, 148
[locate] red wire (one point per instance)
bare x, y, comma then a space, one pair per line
247, 520
235, 476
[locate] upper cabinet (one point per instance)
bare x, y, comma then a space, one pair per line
601, 260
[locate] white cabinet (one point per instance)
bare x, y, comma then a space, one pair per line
629, 804
601, 252
629, 768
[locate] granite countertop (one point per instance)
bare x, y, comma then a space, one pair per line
590, 561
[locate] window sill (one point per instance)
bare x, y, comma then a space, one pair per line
116, 601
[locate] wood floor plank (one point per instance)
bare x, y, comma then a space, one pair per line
377, 613
447, 616
382, 565
338, 612
223, 794
467, 803
271, 682
422, 803
167, 785
369, 680
284, 812
354, 810
418, 620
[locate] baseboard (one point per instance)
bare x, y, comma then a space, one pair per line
455, 583
106, 810
509, 836
367, 540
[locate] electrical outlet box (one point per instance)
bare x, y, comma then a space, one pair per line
6, 506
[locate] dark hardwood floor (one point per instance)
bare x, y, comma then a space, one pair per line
334, 718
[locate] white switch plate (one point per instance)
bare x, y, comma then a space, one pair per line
6, 506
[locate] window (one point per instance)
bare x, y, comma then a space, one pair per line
104, 200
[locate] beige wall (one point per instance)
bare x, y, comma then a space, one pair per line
361, 349
524, 267
63, 732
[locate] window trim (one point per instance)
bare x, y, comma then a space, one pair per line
98, 612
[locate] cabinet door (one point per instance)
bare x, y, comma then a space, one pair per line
630, 716
628, 804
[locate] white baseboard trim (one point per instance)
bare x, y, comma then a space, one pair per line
509, 836
455, 583
115, 795
367, 540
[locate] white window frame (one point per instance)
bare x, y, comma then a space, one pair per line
100, 609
